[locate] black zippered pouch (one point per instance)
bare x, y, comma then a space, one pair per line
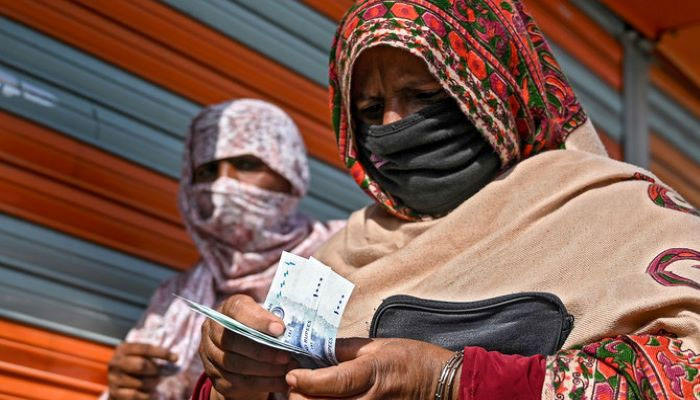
525, 323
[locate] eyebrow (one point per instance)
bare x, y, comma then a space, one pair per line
403, 91
409, 85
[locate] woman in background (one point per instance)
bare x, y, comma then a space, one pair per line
244, 172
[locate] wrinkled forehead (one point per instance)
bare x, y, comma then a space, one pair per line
385, 69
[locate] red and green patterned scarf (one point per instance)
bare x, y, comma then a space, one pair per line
488, 54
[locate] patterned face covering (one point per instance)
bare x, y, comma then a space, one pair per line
239, 214
489, 55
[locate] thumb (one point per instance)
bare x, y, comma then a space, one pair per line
343, 380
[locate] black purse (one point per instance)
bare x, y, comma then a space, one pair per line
523, 323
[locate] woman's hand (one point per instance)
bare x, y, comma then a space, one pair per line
238, 367
374, 369
134, 372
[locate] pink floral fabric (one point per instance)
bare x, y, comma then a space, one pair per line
242, 240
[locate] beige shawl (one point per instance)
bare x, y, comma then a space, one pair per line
568, 222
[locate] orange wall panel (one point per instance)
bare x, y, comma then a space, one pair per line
42, 365
8, 397
73, 163
40, 385
653, 18
22, 333
49, 360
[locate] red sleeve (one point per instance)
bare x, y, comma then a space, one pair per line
492, 375
202, 389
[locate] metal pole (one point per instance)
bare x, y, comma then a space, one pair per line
635, 123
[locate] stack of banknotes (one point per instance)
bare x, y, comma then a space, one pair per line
310, 298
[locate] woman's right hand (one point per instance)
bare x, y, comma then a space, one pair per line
133, 370
238, 367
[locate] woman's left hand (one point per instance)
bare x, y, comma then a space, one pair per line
374, 369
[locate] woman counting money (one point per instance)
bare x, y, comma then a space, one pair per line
244, 172
507, 257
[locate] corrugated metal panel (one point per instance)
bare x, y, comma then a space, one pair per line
81, 96
286, 31
82, 118
61, 283
166, 47
671, 121
51, 179
667, 117
88, 77
674, 123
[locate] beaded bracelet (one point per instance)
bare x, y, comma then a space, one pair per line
447, 376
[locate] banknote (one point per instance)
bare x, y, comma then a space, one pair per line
335, 295
299, 295
310, 298
235, 326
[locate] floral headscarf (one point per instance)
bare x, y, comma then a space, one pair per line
487, 54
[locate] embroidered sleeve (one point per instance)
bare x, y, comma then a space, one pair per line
624, 367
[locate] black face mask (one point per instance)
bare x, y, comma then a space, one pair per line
431, 161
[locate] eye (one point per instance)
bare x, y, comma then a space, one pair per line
247, 164
371, 112
206, 172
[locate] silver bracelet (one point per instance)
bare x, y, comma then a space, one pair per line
447, 376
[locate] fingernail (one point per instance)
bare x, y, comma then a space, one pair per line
173, 357
291, 380
275, 328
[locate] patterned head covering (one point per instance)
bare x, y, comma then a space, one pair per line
248, 126
487, 54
